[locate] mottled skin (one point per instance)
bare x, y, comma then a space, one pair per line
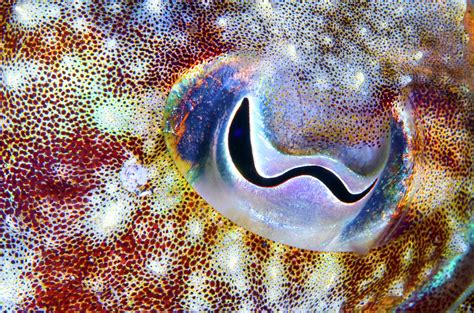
82, 98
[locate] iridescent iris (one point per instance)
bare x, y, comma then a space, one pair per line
218, 131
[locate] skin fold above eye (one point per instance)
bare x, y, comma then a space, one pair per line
109, 127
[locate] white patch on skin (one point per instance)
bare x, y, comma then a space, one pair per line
12, 79
197, 281
31, 14
155, 100
10, 289
323, 277
112, 118
12, 223
74, 63
156, 267
233, 258
292, 51
80, 24
114, 8
110, 209
145, 193
274, 280
19, 75
383, 25
71, 61
139, 68
265, 8
418, 56
159, 266
164, 195
79, 4
246, 308
111, 188
274, 271
359, 79
133, 175
8, 293
125, 114
206, 3
150, 115
168, 230
275, 277
195, 229
328, 41
111, 217
322, 83
163, 202
221, 22
14, 286
111, 44
405, 80
154, 6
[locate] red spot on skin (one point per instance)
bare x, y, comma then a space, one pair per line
63, 168
54, 178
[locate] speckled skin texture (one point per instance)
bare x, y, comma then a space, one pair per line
95, 216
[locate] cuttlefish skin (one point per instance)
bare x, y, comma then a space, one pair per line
95, 215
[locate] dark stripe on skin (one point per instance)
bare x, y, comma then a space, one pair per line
240, 149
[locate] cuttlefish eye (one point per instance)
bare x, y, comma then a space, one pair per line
317, 191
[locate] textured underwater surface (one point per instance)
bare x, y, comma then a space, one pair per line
95, 214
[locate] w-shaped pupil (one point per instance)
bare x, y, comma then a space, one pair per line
240, 148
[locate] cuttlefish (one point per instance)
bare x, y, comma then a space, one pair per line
241, 155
